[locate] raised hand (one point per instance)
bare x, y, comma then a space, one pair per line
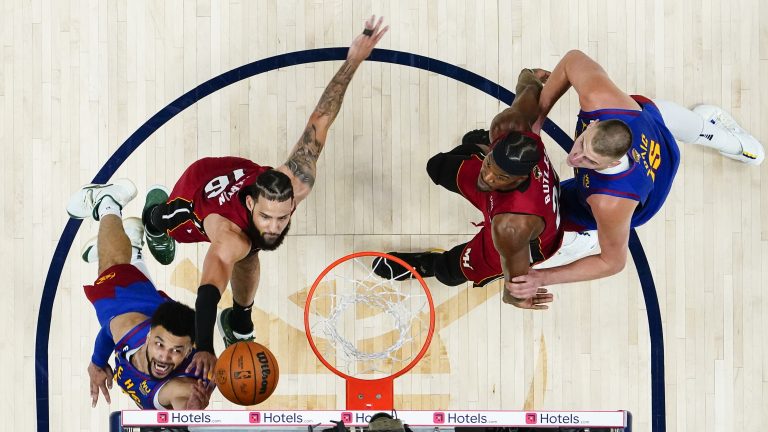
202, 364
364, 43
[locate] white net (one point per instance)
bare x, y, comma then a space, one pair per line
366, 326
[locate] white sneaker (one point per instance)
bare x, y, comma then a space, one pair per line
752, 151
86, 201
582, 244
134, 229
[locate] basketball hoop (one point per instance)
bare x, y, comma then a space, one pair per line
366, 329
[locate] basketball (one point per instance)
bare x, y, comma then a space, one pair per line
246, 373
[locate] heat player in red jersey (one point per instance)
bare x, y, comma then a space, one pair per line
510, 179
242, 208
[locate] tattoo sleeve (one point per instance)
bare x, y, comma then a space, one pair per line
303, 159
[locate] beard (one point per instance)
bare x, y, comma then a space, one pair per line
262, 243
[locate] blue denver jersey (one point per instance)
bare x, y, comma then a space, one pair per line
142, 388
654, 158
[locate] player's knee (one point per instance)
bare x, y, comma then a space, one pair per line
434, 167
448, 267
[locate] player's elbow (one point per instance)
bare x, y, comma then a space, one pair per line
509, 235
320, 121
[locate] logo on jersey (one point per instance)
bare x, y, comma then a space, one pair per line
635, 155
144, 388
585, 181
465, 259
536, 172
105, 278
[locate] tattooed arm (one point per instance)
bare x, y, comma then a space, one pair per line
301, 165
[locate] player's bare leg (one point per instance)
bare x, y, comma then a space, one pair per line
114, 246
235, 323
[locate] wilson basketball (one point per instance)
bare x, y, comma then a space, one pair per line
246, 373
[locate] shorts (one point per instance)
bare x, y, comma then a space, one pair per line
573, 215
122, 289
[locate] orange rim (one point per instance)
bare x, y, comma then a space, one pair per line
327, 270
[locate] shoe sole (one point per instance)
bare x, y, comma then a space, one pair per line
401, 276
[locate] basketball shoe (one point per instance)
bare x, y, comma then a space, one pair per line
752, 151
85, 202
133, 229
581, 244
226, 332
422, 262
161, 245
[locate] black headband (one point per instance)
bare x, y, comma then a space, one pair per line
521, 167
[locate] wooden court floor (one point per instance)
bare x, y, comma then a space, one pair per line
78, 77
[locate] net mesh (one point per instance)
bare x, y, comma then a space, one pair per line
367, 326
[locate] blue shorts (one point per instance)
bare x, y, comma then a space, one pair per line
573, 215
122, 289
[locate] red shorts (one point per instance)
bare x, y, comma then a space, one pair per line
121, 289
480, 261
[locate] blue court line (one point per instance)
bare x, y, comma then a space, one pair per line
291, 59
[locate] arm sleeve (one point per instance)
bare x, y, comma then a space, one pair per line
103, 347
205, 316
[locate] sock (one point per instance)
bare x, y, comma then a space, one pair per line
108, 206
240, 319
137, 260
689, 127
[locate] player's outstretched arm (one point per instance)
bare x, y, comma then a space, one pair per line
512, 234
228, 245
301, 165
589, 79
613, 216
524, 111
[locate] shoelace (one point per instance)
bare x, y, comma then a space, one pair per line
727, 122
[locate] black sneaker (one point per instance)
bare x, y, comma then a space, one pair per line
422, 262
477, 136
225, 329
162, 246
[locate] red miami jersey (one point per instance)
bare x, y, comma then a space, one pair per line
211, 186
539, 198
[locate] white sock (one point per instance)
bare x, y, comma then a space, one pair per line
689, 127
109, 206
137, 260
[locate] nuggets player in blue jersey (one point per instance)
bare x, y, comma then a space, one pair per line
150, 335
625, 158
